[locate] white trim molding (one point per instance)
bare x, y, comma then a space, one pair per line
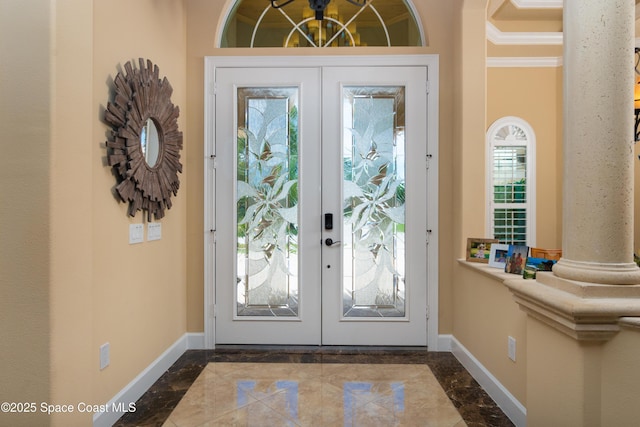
538, 4
497, 37
212, 63
524, 62
140, 384
444, 342
512, 408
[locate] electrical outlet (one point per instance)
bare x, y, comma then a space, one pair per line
512, 348
104, 355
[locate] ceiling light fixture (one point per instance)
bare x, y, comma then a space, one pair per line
318, 6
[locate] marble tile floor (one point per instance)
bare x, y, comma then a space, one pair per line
315, 386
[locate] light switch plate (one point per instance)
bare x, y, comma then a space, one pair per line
136, 233
154, 231
104, 355
512, 348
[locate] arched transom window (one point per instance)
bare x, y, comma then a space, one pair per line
283, 23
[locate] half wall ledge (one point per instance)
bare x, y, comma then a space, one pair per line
584, 311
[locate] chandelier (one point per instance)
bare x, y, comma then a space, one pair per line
323, 25
318, 6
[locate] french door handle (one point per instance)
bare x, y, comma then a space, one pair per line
330, 242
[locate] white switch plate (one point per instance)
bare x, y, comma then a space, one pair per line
136, 233
154, 231
512, 348
104, 355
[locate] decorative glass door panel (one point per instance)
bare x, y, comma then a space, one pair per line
321, 206
267, 202
267, 214
374, 180
374, 194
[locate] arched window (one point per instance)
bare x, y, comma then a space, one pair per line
511, 181
257, 23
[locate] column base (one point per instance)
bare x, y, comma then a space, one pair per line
595, 272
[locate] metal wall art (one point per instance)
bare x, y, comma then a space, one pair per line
145, 144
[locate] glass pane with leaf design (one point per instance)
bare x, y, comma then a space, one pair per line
267, 202
374, 202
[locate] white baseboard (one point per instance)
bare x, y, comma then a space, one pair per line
512, 408
444, 343
140, 384
195, 341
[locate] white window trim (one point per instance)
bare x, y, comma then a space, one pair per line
531, 174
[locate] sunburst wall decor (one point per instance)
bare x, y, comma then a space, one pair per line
141, 106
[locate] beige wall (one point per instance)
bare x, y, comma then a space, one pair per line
74, 355
582, 383
483, 312
139, 297
25, 226
532, 95
470, 126
438, 18
621, 376
558, 387
485, 316
70, 279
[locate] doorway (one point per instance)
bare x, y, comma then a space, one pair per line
322, 199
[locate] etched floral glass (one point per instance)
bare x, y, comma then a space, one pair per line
374, 202
267, 202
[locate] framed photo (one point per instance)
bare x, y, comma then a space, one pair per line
498, 255
541, 264
516, 259
478, 250
537, 264
529, 272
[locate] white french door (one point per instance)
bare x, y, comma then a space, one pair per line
267, 206
321, 205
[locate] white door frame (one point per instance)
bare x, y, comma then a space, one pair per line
431, 163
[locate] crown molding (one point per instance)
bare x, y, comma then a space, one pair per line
524, 62
497, 37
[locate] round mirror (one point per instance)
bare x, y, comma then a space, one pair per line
150, 142
144, 148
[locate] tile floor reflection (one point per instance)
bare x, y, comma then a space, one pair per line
315, 386
284, 394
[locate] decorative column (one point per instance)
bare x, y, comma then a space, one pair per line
575, 315
598, 138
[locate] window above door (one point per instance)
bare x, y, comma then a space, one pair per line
255, 23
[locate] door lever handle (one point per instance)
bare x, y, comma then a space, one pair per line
330, 242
